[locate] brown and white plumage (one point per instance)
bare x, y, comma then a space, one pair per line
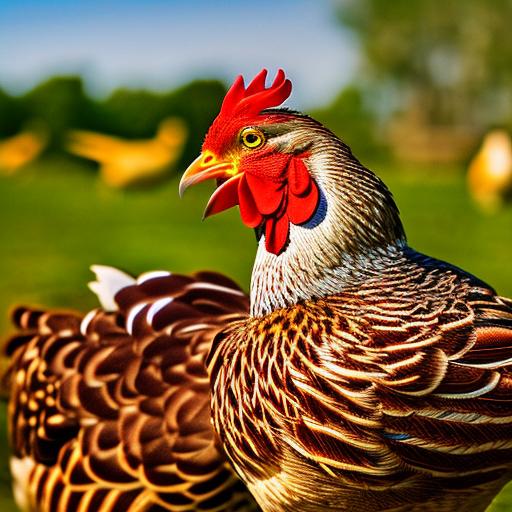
111, 411
395, 394
368, 376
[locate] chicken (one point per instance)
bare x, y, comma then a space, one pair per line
110, 411
490, 172
21, 149
367, 376
128, 162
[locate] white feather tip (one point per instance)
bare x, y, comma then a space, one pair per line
109, 281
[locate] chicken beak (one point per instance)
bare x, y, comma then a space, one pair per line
205, 167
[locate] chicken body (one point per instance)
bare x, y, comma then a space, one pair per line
368, 376
393, 395
110, 411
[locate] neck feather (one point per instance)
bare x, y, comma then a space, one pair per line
278, 284
356, 231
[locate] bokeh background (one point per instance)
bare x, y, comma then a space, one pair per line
103, 103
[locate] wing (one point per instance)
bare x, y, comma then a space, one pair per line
380, 398
111, 411
447, 393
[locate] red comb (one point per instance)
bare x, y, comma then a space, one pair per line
255, 98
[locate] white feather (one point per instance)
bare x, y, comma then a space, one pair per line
20, 471
86, 321
131, 316
156, 307
109, 281
146, 276
493, 364
472, 394
217, 287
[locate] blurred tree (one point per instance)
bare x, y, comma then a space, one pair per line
438, 62
131, 113
12, 115
60, 103
136, 114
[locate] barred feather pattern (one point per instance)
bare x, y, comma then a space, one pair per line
111, 411
393, 395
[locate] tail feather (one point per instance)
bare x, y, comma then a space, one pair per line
26, 318
80, 385
109, 281
32, 322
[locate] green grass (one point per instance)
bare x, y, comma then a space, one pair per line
56, 220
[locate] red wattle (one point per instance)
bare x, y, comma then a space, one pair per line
251, 217
276, 233
282, 207
301, 208
299, 179
267, 194
282, 191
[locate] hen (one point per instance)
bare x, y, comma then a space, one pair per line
128, 162
368, 376
490, 172
110, 411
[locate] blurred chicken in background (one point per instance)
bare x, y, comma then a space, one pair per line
490, 172
21, 149
127, 162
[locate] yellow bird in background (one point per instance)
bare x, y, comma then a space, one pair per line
490, 171
126, 162
21, 149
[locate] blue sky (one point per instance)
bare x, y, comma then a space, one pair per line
161, 44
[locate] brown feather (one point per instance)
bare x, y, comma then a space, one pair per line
114, 421
395, 395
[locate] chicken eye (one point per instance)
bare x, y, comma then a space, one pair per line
252, 138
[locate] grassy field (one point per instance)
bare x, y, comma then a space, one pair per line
56, 220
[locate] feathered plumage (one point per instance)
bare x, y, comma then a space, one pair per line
368, 376
110, 411
395, 394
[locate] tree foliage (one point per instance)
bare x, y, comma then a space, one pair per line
451, 59
59, 103
12, 114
